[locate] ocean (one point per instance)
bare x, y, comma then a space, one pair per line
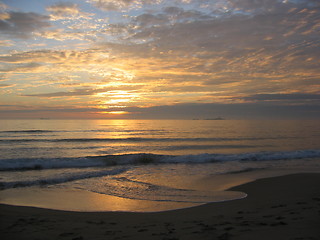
151, 160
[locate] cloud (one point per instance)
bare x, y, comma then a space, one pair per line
168, 17
62, 35
117, 5
3, 85
21, 68
77, 92
22, 25
177, 111
265, 6
252, 6
284, 97
238, 46
66, 10
247, 52
87, 91
67, 57
6, 43
217, 5
3, 6
229, 111
77, 25
175, 27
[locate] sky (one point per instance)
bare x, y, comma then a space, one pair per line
237, 59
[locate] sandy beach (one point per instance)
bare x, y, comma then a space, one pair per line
285, 207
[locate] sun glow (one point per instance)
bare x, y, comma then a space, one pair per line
117, 97
116, 112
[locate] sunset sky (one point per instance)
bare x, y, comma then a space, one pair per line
160, 59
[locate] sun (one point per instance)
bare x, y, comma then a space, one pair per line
116, 97
116, 112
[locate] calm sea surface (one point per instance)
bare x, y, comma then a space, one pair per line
81, 138
146, 159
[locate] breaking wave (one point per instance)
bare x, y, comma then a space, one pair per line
145, 158
61, 178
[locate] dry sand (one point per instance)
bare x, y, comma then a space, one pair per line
286, 207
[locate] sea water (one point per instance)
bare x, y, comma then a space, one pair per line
150, 160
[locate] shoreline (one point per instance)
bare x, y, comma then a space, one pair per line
283, 207
219, 186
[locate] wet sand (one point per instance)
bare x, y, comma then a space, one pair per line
285, 207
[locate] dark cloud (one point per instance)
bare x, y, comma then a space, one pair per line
21, 25
286, 97
3, 77
228, 111
275, 44
188, 111
195, 32
82, 91
253, 6
235, 32
169, 16
20, 67
56, 56
264, 6
77, 92
3, 85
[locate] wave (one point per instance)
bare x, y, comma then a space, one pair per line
61, 179
145, 158
119, 186
131, 139
92, 130
48, 163
28, 131
245, 170
204, 147
139, 190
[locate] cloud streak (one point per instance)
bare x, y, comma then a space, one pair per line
279, 97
